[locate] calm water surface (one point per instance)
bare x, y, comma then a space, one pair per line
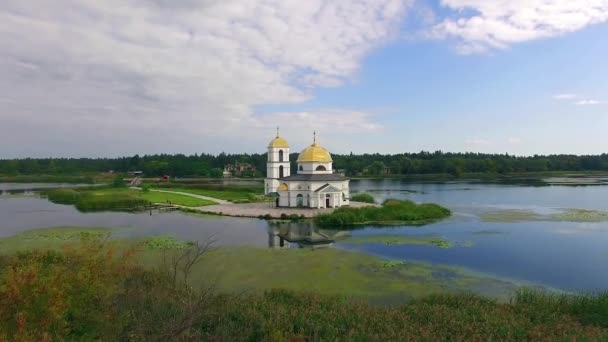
566, 255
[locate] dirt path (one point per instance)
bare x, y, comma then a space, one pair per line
216, 200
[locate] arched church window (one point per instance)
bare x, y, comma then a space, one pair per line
321, 168
281, 171
280, 155
300, 168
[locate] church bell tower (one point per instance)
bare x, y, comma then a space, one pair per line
278, 165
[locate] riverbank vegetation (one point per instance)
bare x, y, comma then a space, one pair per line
70, 293
363, 197
108, 198
451, 165
391, 212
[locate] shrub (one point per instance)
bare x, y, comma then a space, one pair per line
63, 196
363, 197
391, 211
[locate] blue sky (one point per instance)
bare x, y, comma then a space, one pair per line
121, 77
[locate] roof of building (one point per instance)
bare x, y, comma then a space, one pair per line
327, 188
315, 177
314, 153
278, 142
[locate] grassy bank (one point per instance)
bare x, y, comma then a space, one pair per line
391, 212
96, 199
236, 194
89, 179
72, 294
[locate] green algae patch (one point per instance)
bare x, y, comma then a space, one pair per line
51, 238
510, 215
581, 215
255, 270
566, 215
330, 271
488, 232
164, 242
391, 240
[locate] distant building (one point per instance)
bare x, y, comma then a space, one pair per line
136, 173
239, 170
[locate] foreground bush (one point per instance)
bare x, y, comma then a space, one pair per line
93, 292
392, 211
365, 198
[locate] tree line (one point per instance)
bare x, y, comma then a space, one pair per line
208, 165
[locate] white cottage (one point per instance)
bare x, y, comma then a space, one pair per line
315, 185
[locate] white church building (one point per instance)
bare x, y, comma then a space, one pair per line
315, 185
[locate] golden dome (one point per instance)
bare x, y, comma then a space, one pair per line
314, 153
283, 187
278, 142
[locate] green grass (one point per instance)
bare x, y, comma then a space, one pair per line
233, 193
390, 213
94, 292
187, 201
363, 197
108, 198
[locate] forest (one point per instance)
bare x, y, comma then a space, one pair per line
208, 165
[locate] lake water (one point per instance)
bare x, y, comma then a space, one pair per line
565, 255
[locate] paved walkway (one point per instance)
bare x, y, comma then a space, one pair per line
266, 208
216, 200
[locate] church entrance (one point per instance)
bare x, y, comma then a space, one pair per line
276, 202
300, 200
327, 198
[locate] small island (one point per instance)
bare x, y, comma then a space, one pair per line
391, 212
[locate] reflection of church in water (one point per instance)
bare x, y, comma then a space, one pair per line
301, 234
315, 185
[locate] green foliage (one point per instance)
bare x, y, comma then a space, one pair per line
145, 188
392, 211
206, 165
118, 182
363, 197
63, 196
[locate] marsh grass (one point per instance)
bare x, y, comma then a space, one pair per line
391, 212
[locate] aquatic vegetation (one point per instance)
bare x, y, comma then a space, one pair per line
510, 215
392, 263
363, 197
392, 211
570, 215
580, 215
400, 240
488, 232
166, 242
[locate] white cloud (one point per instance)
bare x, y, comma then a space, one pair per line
482, 25
479, 142
565, 96
588, 102
119, 76
514, 141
